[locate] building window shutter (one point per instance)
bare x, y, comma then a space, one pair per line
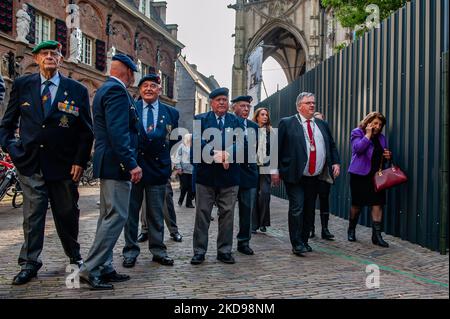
6, 15
61, 35
31, 37
100, 55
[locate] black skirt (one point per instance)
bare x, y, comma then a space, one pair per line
363, 191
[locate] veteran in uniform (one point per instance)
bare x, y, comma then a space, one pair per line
249, 173
115, 163
156, 122
216, 181
50, 155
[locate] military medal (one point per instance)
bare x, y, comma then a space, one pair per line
64, 121
150, 128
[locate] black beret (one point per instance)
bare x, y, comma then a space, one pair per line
150, 77
217, 92
125, 59
246, 98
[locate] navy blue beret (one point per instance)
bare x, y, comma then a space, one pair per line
125, 59
218, 92
246, 98
150, 77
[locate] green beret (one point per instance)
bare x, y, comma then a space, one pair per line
50, 44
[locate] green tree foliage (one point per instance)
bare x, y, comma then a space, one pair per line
352, 13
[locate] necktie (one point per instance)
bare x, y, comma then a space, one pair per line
150, 121
46, 98
220, 123
312, 150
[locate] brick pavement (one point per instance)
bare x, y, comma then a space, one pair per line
334, 270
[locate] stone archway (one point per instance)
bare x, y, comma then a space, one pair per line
289, 29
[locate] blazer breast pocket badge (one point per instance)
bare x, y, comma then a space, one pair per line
64, 121
69, 108
25, 104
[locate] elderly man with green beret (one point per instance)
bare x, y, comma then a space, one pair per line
53, 115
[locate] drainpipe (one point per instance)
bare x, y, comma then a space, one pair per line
443, 240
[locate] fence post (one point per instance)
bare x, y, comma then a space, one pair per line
443, 242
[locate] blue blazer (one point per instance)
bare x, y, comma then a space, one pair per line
154, 148
116, 132
292, 156
213, 174
249, 168
51, 143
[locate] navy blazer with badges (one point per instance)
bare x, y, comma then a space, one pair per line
292, 156
154, 148
52, 143
214, 174
116, 132
249, 168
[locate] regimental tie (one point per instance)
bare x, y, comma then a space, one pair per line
220, 123
150, 119
47, 98
312, 150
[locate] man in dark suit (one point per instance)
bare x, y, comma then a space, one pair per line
50, 155
217, 176
306, 150
115, 163
156, 122
249, 173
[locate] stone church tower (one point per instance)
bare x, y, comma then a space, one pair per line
298, 34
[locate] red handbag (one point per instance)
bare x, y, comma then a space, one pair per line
388, 177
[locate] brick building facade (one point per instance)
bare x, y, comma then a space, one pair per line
133, 27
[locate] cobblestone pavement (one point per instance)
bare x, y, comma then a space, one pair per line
333, 270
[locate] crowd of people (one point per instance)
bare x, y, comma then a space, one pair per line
132, 158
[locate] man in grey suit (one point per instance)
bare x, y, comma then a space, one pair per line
306, 154
115, 163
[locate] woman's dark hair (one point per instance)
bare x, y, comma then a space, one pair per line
370, 117
268, 125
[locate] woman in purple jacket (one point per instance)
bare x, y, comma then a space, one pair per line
368, 149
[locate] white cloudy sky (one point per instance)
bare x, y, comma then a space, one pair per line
205, 28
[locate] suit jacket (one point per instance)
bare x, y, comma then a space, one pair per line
292, 156
249, 168
154, 148
51, 143
362, 150
213, 174
2, 89
116, 132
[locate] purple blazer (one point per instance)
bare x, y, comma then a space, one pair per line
362, 150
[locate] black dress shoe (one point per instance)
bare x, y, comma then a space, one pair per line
129, 262
308, 248
300, 250
77, 262
165, 261
177, 237
226, 258
326, 234
245, 250
190, 205
96, 283
24, 276
254, 231
197, 259
115, 277
142, 237
263, 229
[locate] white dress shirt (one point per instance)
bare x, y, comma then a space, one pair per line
155, 111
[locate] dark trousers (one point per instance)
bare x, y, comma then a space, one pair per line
170, 217
302, 203
246, 201
186, 188
261, 213
63, 196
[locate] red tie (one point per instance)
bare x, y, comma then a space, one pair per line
312, 153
